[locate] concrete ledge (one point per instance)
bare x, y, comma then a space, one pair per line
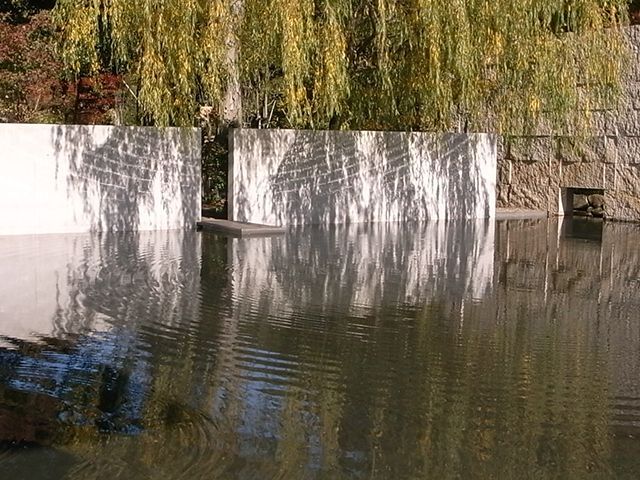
519, 214
238, 229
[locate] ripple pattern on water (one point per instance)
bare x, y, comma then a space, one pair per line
441, 350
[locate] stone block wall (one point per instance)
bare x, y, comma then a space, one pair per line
72, 178
296, 177
534, 172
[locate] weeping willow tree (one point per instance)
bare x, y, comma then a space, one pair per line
496, 65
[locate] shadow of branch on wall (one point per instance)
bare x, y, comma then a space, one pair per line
469, 175
130, 178
313, 177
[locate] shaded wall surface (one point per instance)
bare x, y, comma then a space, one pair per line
71, 178
295, 177
533, 171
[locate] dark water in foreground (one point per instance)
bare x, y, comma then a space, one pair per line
472, 350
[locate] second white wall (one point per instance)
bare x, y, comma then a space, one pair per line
295, 177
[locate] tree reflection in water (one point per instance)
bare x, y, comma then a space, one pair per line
420, 351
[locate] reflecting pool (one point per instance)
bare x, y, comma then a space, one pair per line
506, 349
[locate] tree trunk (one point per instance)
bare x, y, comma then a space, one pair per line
232, 101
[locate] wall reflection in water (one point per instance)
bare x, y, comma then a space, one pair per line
574, 288
361, 269
80, 324
384, 351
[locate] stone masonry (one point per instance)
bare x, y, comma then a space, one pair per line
537, 172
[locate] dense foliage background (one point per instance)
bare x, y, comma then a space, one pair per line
392, 64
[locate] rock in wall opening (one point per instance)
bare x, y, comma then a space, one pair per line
585, 202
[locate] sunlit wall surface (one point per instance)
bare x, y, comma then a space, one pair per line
437, 350
96, 178
299, 177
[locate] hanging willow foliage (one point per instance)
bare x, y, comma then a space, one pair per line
496, 65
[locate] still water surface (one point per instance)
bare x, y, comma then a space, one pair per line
442, 350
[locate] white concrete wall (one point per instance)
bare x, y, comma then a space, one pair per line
294, 177
72, 178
